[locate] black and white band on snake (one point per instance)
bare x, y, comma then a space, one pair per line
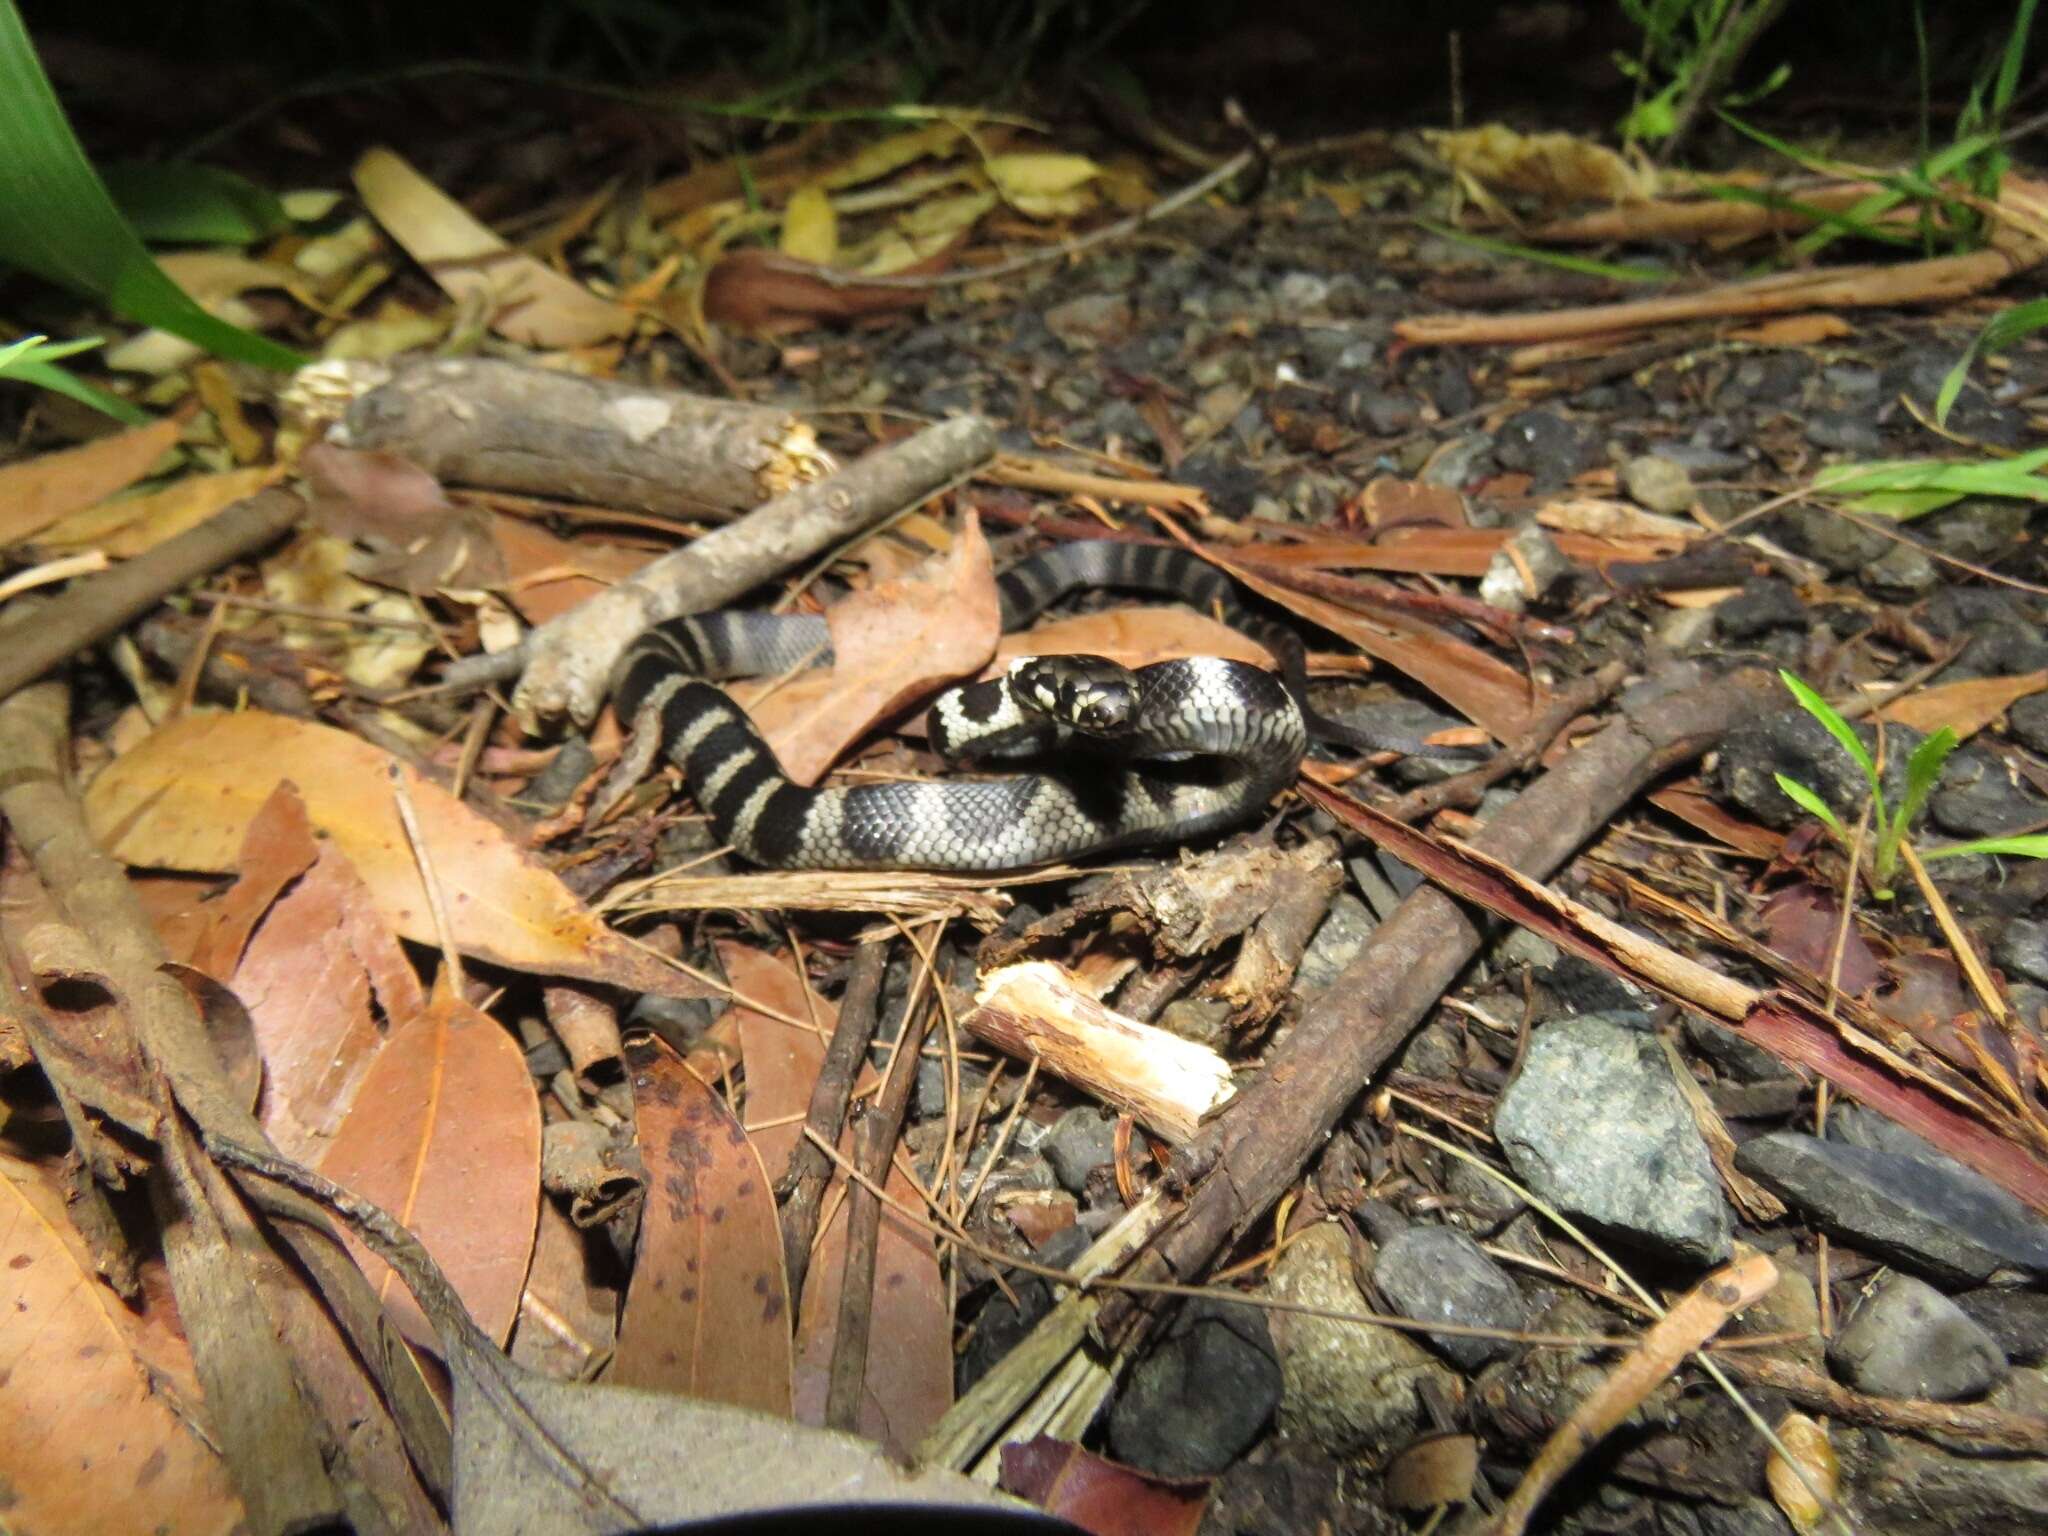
1201, 743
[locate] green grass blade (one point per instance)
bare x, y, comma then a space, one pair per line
1826, 218
2030, 845
61, 225
1559, 259
47, 375
1811, 803
1923, 772
176, 202
2015, 477
2001, 330
1837, 727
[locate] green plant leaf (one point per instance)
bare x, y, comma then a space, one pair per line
2029, 845
1906, 487
1923, 771
2001, 330
1808, 801
1558, 259
1837, 727
61, 225
177, 202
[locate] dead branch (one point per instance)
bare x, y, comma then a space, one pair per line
504, 427
568, 660
99, 606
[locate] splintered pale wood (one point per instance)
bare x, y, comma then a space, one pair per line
184, 799
92, 1443
445, 1135
892, 644
707, 1311
1035, 1012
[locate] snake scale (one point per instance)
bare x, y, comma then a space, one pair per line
1161, 753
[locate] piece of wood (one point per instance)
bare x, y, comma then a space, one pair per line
1035, 1012
500, 426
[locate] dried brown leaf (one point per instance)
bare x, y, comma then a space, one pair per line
445, 1134
93, 1442
707, 1312
37, 492
129, 526
1101, 1496
1965, 706
422, 539
184, 799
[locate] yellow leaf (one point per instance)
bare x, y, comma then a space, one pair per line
527, 300
126, 528
1054, 205
810, 229
1807, 1440
184, 798
892, 154
1043, 175
946, 216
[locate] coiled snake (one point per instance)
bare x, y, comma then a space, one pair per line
1157, 754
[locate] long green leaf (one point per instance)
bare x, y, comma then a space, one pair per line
2029, 845
1923, 771
57, 221
175, 202
1563, 261
1907, 487
2001, 330
1808, 801
33, 361
1837, 727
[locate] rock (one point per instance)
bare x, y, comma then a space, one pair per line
1840, 545
1595, 1125
1544, 446
1438, 1274
2001, 637
2029, 721
1283, 1489
551, 788
1386, 415
1349, 1388
1850, 432
1685, 630
1978, 529
2016, 1320
1980, 797
1204, 1020
1300, 293
1461, 462
1906, 1339
1579, 986
1764, 603
1736, 1057
1906, 1487
1660, 484
1201, 1395
1535, 557
1338, 939
1082, 1139
1851, 381
1901, 571
1790, 1306
1933, 1216
2022, 949
1792, 742
1092, 321
1450, 388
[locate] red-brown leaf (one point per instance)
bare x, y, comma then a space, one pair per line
445, 1135
707, 1312
1101, 1496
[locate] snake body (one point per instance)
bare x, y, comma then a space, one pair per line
1198, 744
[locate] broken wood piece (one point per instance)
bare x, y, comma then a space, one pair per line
499, 426
1034, 1011
568, 660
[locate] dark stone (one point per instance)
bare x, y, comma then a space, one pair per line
1765, 603
1438, 1274
1906, 1339
1980, 529
550, 789
1001, 1327
1450, 388
1201, 1395
1384, 414
2028, 720
1842, 546
1079, 1141
2022, 948
1546, 447
2016, 1320
1790, 741
1579, 986
1979, 797
1285, 1488
1741, 1059
1935, 1217
1850, 432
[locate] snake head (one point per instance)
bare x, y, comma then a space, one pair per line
1091, 694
